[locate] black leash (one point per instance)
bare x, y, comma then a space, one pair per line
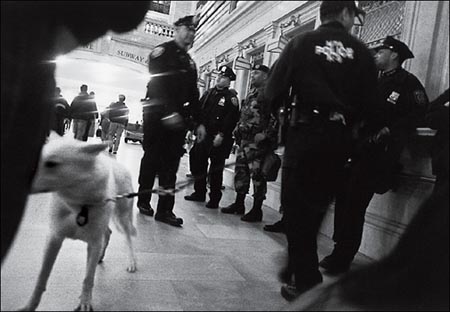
178, 186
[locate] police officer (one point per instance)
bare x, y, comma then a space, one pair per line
173, 87
220, 109
333, 76
403, 103
256, 135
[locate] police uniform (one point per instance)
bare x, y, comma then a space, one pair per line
332, 74
220, 109
173, 84
251, 153
403, 103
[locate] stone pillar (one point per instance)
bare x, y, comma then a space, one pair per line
426, 32
271, 32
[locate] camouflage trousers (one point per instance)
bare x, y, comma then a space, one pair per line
249, 160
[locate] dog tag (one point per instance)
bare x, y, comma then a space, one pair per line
82, 217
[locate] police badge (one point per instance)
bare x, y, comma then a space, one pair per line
393, 98
158, 51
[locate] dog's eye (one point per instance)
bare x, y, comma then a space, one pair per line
51, 164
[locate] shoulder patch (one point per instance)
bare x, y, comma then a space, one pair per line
420, 97
235, 101
158, 51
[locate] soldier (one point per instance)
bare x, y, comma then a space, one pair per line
403, 103
118, 116
333, 76
173, 84
256, 135
220, 109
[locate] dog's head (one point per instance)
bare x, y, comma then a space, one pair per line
65, 162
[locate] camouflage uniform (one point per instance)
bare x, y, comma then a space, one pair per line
250, 154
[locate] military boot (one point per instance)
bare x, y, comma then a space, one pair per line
238, 207
255, 214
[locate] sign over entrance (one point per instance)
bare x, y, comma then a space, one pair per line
241, 63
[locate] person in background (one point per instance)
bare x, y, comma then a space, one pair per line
80, 112
118, 116
104, 124
333, 91
220, 109
92, 116
61, 112
27, 74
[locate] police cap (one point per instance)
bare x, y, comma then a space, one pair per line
397, 46
189, 21
327, 7
227, 72
262, 68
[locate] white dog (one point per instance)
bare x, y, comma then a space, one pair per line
85, 181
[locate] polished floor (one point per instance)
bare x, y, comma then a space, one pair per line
214, 262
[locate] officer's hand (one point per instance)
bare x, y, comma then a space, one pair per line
201, 133
382, 133
260, 137
218, 139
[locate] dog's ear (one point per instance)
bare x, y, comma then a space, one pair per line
53, 136
94, 148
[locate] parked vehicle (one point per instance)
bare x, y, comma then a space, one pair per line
134, 133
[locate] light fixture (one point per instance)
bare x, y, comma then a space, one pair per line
293, 21
276, 45
251, 44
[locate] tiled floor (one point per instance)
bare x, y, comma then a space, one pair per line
214, 262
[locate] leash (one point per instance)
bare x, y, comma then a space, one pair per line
178, 186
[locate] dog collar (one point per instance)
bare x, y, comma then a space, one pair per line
82, 217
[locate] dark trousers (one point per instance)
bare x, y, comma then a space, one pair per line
161, 156
201, 153
374, 171
313, 167
353, 197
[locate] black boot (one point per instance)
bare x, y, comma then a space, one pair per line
255, 214
196, 197
168, 217
145, 208
214, 201
238, 207
277, 227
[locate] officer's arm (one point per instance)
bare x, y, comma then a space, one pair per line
157, 66
419, 103
280, 78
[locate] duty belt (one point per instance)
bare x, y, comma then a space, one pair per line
308, 117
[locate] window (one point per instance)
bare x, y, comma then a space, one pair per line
160, 6
200, 3
233, 5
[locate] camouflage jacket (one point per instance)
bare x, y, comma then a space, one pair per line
256, 120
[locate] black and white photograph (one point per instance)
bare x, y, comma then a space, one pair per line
225, 155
